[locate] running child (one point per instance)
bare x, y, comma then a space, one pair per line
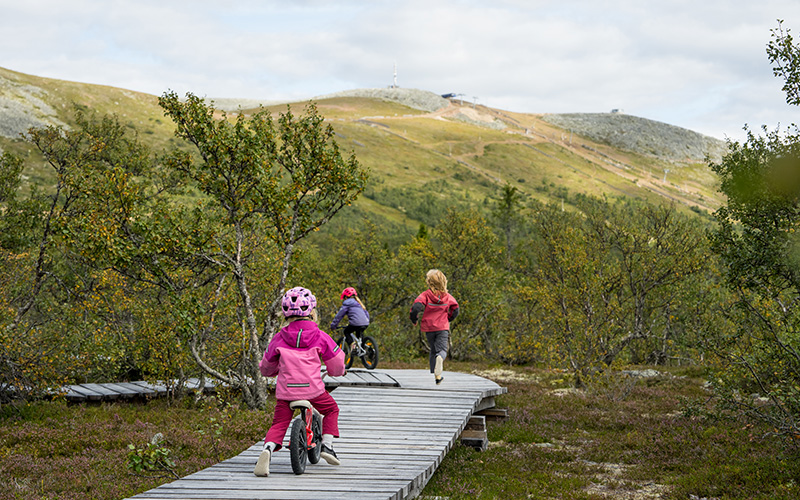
294, 355
438, 309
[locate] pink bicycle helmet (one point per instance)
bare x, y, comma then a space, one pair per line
349, 292
298, 302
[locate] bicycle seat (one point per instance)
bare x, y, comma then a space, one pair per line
300, 403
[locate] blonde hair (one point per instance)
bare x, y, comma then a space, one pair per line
359, 302
436, 281
314, 316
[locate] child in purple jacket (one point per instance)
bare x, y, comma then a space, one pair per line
294, 355
356, 313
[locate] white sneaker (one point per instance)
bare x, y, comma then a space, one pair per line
437, 370
262, 467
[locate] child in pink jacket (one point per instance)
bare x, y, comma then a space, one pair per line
294, 355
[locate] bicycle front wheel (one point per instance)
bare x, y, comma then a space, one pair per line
370, 357
298, 447
315, 448
348, 355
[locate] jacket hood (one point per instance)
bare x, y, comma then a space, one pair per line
350, 301
300, 334
433, 298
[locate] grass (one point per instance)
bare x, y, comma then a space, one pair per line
55, 450
624, 439
599, 445
347, 108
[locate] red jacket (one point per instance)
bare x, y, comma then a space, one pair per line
437, 312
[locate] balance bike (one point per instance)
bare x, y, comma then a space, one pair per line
305, 442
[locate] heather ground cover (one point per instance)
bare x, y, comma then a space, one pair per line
55, 450
627, 438
624, 438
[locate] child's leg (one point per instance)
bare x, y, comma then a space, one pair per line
439, 342
348, 334
274, 439
326, 405
280, 423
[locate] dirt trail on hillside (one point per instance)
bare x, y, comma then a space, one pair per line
521, 134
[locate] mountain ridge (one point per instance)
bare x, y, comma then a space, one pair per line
414, 140
614, 128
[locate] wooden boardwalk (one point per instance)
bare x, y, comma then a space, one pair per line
393, 436
123, 390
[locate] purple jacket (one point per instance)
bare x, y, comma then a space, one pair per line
356, 315
294, 355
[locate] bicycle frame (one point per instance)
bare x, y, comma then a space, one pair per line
308, 417
307, 414
359, 345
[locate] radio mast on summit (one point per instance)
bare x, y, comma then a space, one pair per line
394, 84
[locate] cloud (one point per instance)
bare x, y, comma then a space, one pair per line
699, 65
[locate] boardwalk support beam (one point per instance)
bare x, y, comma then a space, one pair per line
474, 434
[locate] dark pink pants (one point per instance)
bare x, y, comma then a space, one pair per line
324, 403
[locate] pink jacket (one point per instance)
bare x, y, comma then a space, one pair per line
294, 355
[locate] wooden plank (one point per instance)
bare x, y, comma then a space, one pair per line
470, 400
86, 392
335, 381
194, 384
106, 393
72, 395
475, 438
123, 391
476, 422
485, 403
494, 413
389, 392
361, 378
372, 378
264, 494
158, 389
380, 378
137, 390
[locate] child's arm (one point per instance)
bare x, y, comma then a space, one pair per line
269, 363
333, 356
339, 316
452, 309
417, 308
451, 315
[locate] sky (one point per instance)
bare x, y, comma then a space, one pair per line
698, 64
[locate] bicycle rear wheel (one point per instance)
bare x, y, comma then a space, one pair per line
370, 357
316, 427
298, 448
348, 355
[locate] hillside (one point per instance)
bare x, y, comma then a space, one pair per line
425, 152
647, 137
